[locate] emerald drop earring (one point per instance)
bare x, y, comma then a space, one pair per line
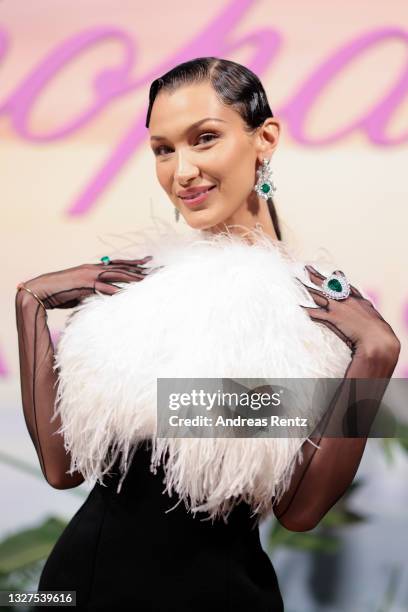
264, 186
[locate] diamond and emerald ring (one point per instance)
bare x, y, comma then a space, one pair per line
105, 260
336, 286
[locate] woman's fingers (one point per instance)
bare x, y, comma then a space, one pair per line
320, 318
129, 262
318, 298
314, 275
109, 287
120, 271
105, 288
127, 268
120, 276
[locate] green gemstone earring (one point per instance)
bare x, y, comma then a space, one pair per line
264, 186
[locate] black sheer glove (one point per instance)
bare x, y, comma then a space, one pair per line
330, 461
61, 289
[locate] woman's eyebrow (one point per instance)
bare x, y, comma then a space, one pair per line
193, 125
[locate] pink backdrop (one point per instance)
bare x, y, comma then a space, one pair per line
76, 168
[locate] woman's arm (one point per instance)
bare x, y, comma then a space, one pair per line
38, 378
38, 391
327, 472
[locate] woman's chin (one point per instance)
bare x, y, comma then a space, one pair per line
199, 219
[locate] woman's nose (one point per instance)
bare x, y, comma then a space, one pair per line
185, 169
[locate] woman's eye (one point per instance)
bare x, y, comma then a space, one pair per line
157, 151
208, 134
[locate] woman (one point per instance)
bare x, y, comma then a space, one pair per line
224, 302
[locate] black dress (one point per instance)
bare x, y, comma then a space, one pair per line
122, 550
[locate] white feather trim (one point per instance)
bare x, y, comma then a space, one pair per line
219, 308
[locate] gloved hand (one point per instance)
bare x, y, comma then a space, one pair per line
60, 289
66, 288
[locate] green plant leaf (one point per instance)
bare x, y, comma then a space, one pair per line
388, 445
25, 547
308, 541
300, 540
338, 517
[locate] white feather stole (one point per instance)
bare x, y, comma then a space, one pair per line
220, 307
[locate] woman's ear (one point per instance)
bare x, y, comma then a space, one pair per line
268, 137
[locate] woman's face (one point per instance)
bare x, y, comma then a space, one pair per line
199, 142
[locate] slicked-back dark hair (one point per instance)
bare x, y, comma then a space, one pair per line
234, 84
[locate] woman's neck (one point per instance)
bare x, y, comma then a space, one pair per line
244, 221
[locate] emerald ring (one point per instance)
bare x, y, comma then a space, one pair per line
336, 286
105, 260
